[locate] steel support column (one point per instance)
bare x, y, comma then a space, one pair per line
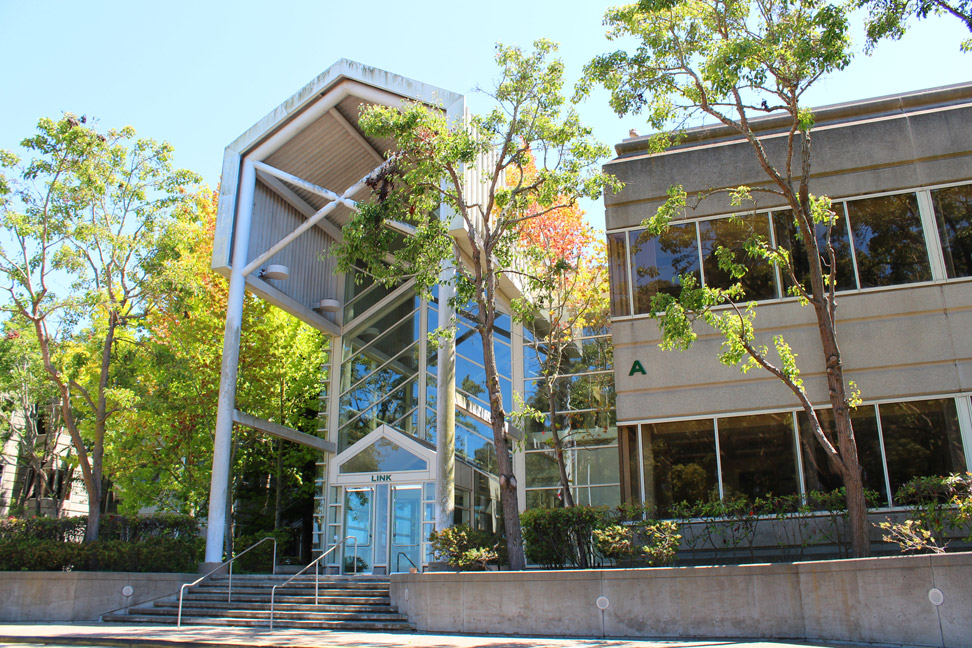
219, 485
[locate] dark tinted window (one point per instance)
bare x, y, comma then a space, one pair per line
888, 241
953, 213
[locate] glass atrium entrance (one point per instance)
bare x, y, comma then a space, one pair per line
382, 499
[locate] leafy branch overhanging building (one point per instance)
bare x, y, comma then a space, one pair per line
686, 427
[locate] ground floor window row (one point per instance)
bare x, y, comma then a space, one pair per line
881, 241
759, 455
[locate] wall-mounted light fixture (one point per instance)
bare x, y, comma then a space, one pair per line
328, 306
279, 272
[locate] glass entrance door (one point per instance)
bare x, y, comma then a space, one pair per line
358, 521
406, 528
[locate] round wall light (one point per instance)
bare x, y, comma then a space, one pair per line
279, 272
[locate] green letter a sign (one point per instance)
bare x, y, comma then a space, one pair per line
637, 368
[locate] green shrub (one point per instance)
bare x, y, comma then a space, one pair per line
467, 549
158, 555
557, 538
259, 560
649, 542
941, 510
165, 543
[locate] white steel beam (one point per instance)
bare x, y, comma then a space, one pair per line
284, 192
283, 432
310, 222
300, 182
219, 484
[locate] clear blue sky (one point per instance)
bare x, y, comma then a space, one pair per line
200, 73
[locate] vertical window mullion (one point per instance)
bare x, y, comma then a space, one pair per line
801, 482
963, 408
780, 293
628, 271
641, 465
884, 456
698, 247
718, 453
933, 243
853, 247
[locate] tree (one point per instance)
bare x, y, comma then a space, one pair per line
29, 413
426, 183
163, 453
93, 210
733, 60
888, 18
567, 271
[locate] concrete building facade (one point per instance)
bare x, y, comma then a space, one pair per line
899, 172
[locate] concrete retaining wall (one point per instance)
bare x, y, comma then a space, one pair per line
880, 600
79, 596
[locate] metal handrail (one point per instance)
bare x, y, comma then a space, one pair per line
398, 561
316, 564
229, 595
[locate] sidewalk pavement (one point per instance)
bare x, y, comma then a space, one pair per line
141, 636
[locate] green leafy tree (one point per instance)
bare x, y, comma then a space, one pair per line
30, 424
425, 185
889, 18
567, 295
90, 236
732, 61
163, 454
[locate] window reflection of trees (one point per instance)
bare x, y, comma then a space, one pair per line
732, 234
888, 241
953, 213
657, 261
788, 238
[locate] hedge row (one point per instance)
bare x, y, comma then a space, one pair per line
113, 527
155, 555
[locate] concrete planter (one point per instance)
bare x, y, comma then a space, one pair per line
79, 596
880, 600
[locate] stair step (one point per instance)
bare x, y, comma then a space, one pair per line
278, 605
306, 587
387, 615
261, 623
341, 603
305, 600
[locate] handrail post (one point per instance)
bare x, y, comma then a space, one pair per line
273, 590
229, 590
317, 582
273, 565
182, 590
354, 563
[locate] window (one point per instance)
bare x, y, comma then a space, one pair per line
787, 237
656, 262
757, 455
953, 215
921, 438
819, 475
888, 241
877, 242
618, 274
732, 234
680, 463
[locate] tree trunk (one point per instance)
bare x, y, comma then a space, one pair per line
504, 466
848, 465
559, 450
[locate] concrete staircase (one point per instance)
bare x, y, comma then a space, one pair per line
345, 603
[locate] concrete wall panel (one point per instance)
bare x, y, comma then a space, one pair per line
79, 596
900, 342
879, 600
